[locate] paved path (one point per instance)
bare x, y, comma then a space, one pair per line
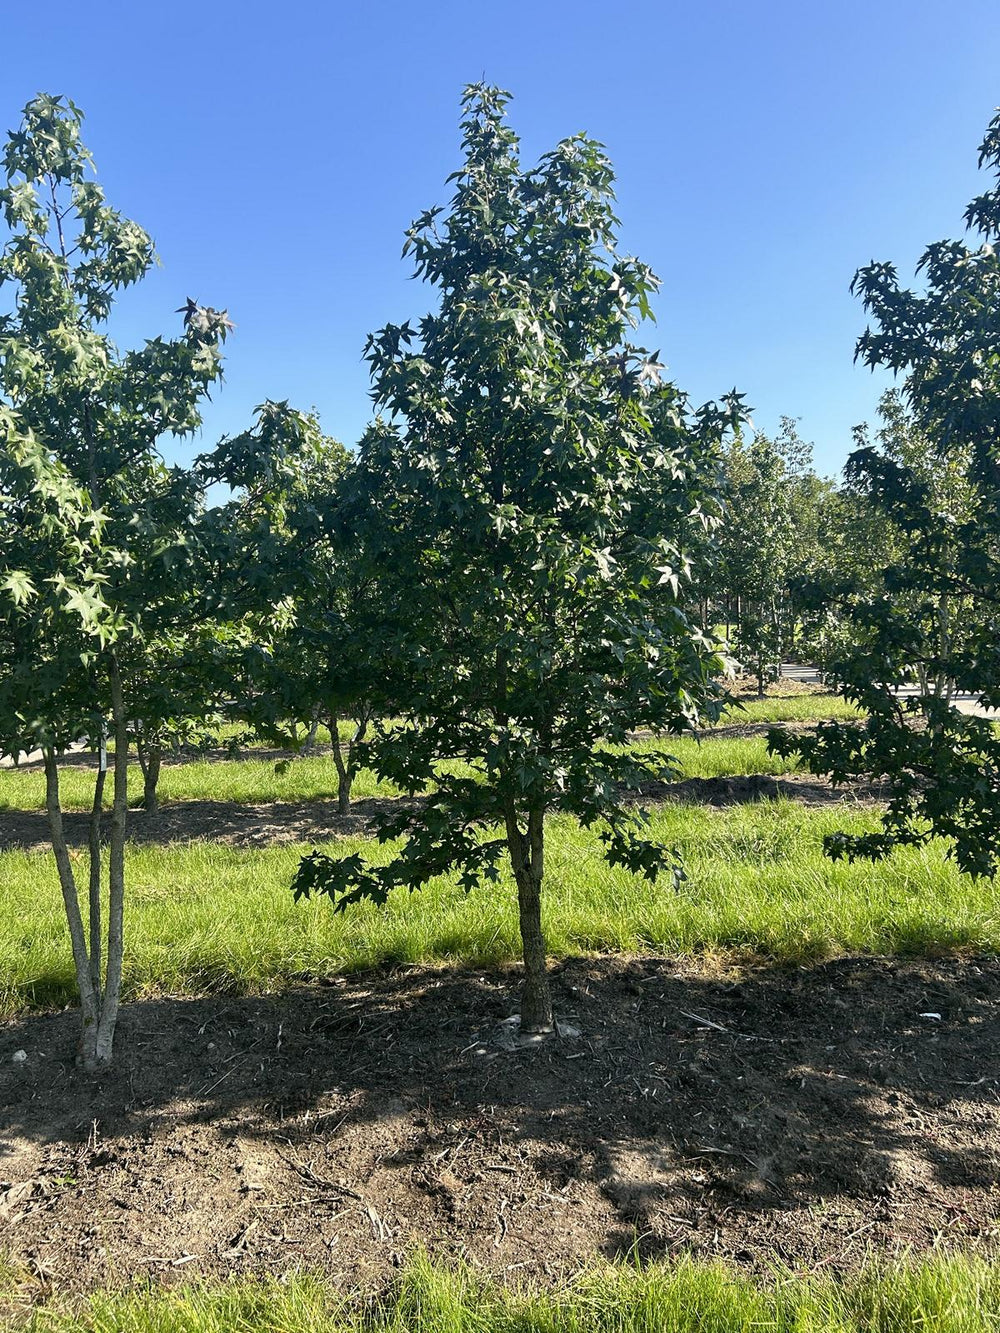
36, 756
810, 675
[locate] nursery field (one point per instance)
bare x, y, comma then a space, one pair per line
413, 914
771, 1099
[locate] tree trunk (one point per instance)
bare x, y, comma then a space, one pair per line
310, 742
347, 769
527, 860
89, 1003
105, 1037
344, 784
150, 758
96, 942
344, 775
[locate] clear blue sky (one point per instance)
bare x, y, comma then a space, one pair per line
764, 149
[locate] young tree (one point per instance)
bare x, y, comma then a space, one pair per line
767, 542
942, 766
297, 584
852, 587
95, 531
523, 494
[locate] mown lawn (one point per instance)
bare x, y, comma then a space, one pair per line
314, 777
940, 1295
204, 918
793, 708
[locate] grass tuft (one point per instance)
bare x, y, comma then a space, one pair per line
943, 1294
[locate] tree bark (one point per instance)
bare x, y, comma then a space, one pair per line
347, 769
310, 741
344, 775
527, 861
150, 758
105, 1037
89, 1004
96, 939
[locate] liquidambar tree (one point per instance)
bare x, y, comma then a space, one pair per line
95, 532
525, 492
933, 618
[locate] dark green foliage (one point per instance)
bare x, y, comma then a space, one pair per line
934, 623
523, 497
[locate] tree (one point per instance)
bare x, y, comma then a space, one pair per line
769, 538
942, 766
521, 497
297, 583
852, 587
95, 532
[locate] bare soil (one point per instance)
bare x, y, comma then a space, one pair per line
801, 1116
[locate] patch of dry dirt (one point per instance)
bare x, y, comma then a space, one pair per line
742, 788
801, 1116
238, 824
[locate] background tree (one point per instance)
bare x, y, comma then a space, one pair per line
768, 540
942, 766
95, 530
524, 492
852, 587
290, 575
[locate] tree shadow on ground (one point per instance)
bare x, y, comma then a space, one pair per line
264, 823
237, 824
800, 1114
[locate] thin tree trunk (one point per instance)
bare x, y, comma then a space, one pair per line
351, 772
89, 1004
96, 941
527, 860
347, 768
104, 1045
344, 775
150, 759
310, 742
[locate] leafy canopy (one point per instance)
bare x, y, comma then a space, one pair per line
523, 495
936, 617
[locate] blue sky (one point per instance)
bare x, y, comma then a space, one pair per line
764, 149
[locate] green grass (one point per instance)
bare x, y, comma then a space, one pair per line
721, 756
305, 778
940, 1295
207, 918
794, 708
314, 777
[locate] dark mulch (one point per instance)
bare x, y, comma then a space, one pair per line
801, 1116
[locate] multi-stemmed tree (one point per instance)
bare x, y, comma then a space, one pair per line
523, 499
95, 532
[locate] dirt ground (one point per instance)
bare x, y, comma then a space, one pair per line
801, 1116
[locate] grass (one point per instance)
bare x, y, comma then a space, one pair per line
206, 918
251, 780
254, 780
943, 1294
793, 708
314, 777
